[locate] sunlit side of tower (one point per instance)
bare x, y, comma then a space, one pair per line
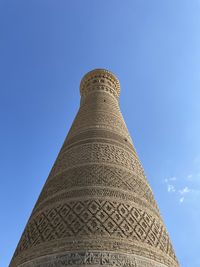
96, 207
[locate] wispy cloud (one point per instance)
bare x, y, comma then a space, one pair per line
171, 188
185, 190
170, 179
193, 177
189, 194
184, 193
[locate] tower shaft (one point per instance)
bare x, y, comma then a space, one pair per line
96, 207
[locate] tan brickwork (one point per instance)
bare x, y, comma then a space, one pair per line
96, 207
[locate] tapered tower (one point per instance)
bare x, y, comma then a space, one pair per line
96, 207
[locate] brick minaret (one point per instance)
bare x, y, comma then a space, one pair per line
96, 208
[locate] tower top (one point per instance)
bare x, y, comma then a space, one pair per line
100, 79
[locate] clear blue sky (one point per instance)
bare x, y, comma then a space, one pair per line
153, 47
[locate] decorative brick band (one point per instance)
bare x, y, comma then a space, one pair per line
94, 258
99, 77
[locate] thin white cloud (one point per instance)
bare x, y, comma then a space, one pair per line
192, 194
171, 188
193, 177
172, 178
184, 193
185, 190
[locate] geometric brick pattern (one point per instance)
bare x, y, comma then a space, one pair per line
97, 153
98, 175
96, 207
95, 217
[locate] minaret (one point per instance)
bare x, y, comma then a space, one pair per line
96, 207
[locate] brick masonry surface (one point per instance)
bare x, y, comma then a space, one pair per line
96, 207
